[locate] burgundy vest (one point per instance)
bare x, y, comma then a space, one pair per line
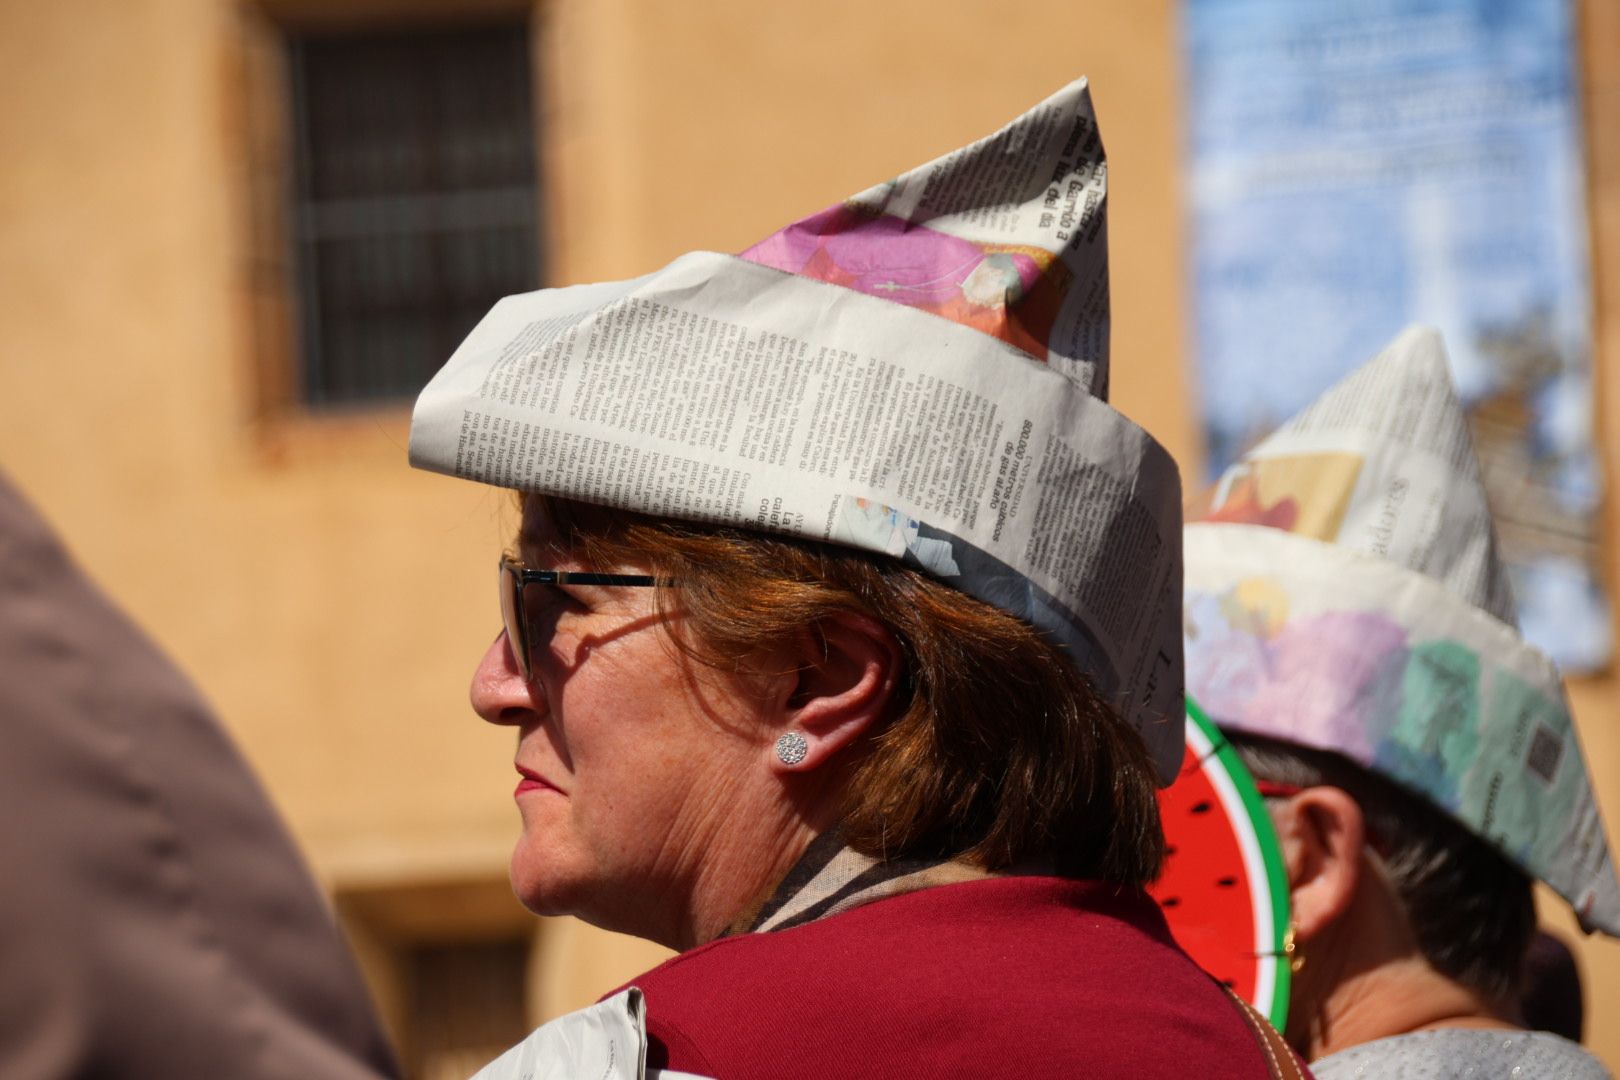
1004, 977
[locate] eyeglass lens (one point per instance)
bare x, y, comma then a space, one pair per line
515, 619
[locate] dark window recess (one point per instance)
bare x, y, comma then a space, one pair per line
416, 203
466, 1006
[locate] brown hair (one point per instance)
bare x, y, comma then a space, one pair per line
1471, 911
997, 749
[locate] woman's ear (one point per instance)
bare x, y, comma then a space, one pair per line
846, 669
1322, 831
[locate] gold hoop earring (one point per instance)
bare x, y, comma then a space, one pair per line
1291, 949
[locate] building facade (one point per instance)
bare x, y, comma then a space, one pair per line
232, 468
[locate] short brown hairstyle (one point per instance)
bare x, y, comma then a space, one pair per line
1471, 911
997, 750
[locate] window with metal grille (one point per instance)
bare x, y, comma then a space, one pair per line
416, 203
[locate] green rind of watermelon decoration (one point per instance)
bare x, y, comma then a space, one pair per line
1223, 889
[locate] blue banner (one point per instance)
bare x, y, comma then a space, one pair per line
1361, 165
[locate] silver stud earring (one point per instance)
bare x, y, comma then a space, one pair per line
791, 748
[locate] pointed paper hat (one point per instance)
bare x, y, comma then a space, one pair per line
919, 371
1344, 593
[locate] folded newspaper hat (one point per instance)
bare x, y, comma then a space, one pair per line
1344, 592
918, 371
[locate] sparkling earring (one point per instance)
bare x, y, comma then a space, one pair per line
791, 748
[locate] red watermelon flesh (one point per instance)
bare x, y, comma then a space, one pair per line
1207, 890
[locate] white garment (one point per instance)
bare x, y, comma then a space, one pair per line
1463, 1054
605, 1041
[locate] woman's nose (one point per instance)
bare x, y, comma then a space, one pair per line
499, 693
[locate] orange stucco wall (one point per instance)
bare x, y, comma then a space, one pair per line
330, 601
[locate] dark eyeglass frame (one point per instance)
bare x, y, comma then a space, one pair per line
515, 577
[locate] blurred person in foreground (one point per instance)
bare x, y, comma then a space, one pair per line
156, 920
888, 794
1351, 628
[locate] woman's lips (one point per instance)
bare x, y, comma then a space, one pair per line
531, 782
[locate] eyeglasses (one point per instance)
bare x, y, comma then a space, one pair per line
515, 578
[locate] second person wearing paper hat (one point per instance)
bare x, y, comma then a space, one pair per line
842, 641
1350, 626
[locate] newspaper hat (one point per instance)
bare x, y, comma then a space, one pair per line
919, 371
1344, 592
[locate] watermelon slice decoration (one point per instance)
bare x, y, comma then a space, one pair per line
1223, 889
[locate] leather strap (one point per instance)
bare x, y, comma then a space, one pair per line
1281, 1064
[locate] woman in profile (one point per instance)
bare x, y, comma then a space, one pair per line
1418, 753
889, 792
891, 828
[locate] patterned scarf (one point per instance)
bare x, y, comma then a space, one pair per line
830, 878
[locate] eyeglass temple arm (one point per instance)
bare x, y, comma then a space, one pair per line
585, 577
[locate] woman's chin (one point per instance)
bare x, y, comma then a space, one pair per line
546, 888
539, 886
537, 903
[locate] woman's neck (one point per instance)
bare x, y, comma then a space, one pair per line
740, 872
1399, 998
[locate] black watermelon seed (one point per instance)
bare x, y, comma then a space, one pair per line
1170, 901
1226, 882
1201, 807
